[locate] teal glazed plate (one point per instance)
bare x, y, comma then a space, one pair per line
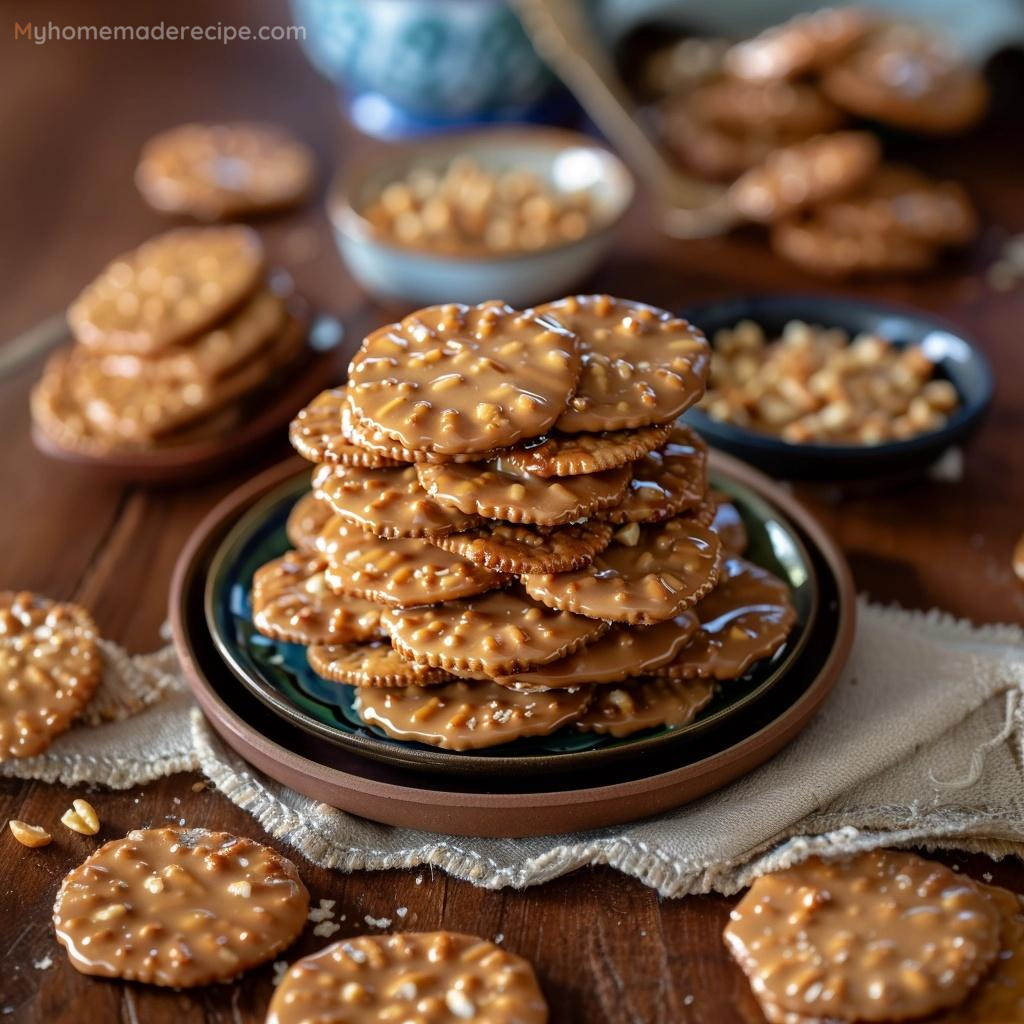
277, 674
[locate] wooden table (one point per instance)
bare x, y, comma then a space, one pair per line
607, 949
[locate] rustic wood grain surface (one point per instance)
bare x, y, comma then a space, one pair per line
608, 950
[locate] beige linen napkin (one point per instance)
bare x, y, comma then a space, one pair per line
920, 743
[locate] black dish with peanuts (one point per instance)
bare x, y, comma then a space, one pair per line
817, 387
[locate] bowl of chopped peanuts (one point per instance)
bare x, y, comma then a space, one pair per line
519, 214
817, 387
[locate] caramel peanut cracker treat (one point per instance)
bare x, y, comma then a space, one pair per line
292, 601
881, 936
456, 379
179, 907
433, 977
388, 502
220, 171
168, 290
646, 575
375, 663
50, 667
464, 715
641, 365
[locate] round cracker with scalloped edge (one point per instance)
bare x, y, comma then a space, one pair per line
456, 379
641, 364
308, 517
646, 575
666, 482
519, 547
485, 489
469, 715
375, 663
572, 454
168, 290
405, 572
746, 617
316, 434
50, 666
622, 653
388, 502
495, 634
292, 601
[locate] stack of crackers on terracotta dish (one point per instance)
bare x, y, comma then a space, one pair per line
171, 342
774, 118
510, 531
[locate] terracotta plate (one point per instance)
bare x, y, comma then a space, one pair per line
277, 673
269, 413
512, 805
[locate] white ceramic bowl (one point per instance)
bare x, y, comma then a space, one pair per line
564, 160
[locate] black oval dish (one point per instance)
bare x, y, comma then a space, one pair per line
958, 360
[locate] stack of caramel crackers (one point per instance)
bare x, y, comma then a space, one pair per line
510, 532
774, 117
170, 341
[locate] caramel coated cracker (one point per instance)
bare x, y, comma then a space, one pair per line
496, 634
308, 517
168, 290
469, 715
571, 454
137, 411
489, 490
222, 171
292, 601
214, 354
646, 575
50, 667
880, 936
388, 502
828, 249
899, 200
405, 572
456, 379
746, 617
641, 365
622, 653
179, 907
805, 175
665, 482
316, 433
804, 43
426, 978
645, 704
369, 664
729, 525
909, 76
520, 548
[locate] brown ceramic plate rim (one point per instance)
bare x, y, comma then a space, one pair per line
421, 758
511, 814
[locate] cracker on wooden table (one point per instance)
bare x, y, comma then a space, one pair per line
427, 977
179, 907
50, 666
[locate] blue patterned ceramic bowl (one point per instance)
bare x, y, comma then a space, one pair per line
420, 65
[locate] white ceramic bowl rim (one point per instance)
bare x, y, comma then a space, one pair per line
346, 194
